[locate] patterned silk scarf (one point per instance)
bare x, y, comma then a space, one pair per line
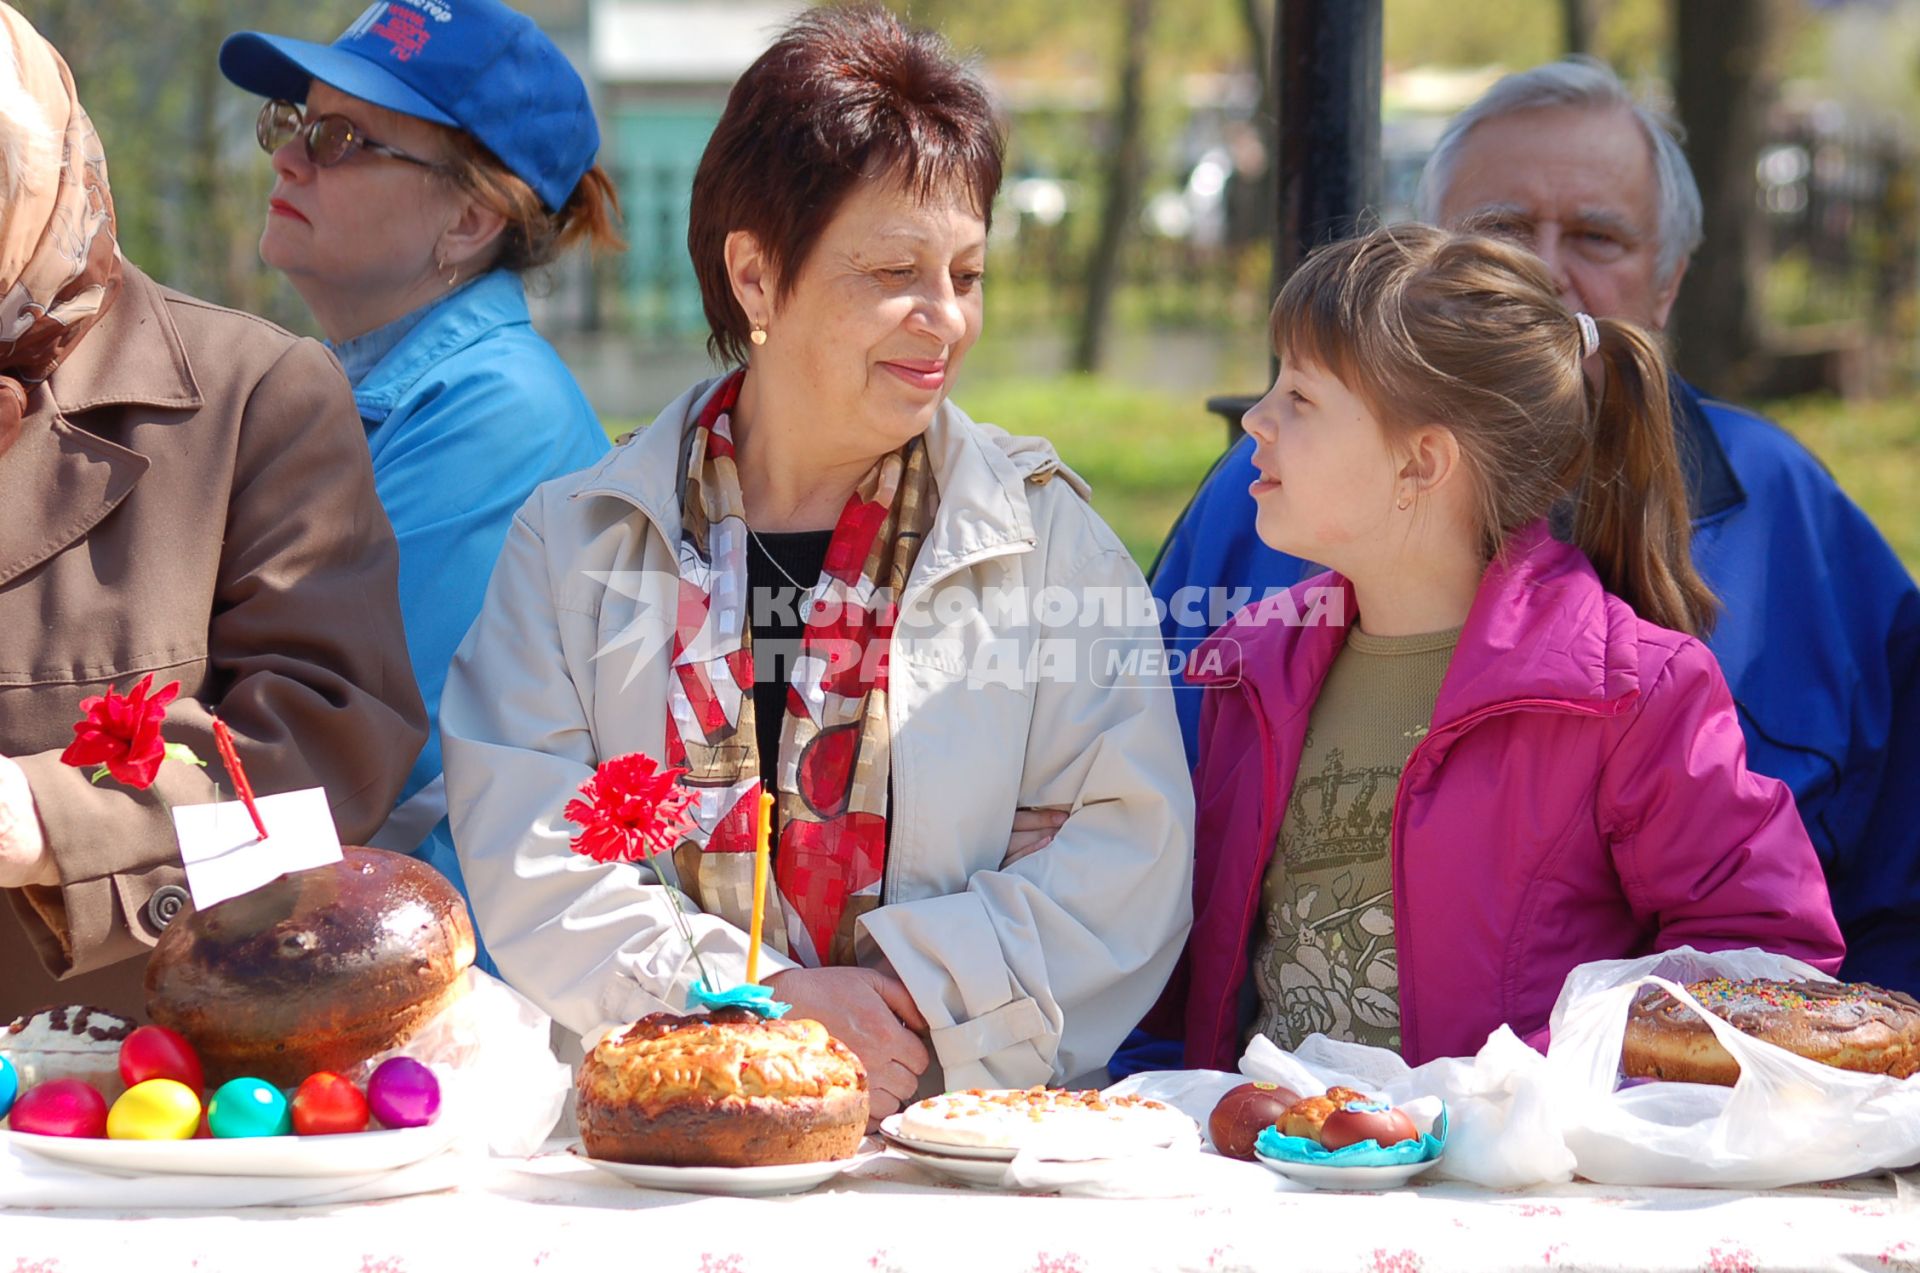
59, 266
835, 738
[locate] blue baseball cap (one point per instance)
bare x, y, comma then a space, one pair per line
475, 65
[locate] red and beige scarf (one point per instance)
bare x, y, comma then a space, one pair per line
59, 267
835, 738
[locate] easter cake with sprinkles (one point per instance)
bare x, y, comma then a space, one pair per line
1848, 1025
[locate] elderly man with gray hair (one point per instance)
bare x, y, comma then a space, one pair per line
1820, 632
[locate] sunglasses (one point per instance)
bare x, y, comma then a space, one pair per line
329, 139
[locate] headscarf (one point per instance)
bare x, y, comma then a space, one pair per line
59, 264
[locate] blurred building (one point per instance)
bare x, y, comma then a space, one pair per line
662, 70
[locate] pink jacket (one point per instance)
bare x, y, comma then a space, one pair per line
1583, 794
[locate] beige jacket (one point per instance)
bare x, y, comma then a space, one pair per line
190, 496
1027, 974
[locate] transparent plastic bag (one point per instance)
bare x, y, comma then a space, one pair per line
1787, 1121
498, 1076
1504, 1130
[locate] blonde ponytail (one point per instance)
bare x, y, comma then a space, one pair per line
1630, 513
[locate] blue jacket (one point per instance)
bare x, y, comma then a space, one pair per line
465, 415
1819, 639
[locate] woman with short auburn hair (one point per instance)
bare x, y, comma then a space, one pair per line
423, 164
815, 575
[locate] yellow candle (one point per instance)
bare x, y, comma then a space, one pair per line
760, 857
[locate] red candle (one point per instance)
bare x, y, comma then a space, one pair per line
223, 739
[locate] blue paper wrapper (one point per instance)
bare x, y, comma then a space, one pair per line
1367, 1153
755, 999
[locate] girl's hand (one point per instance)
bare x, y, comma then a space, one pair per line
1033, 830
23, 846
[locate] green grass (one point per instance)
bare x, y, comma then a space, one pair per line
1873, 450
1143, 451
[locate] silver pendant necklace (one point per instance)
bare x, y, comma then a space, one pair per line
804, 589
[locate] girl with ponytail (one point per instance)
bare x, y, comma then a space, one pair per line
1478, 753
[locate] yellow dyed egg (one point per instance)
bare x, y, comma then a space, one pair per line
158, 1109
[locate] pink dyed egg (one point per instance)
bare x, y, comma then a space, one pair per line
61, 1107
403, 1093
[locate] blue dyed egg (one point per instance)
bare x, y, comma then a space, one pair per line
249, 1107
9, 1086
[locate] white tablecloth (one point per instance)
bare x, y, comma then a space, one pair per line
554, 1213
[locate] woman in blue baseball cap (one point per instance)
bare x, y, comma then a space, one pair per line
424, 161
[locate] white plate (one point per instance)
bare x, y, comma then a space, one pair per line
1321, 1176
890, 1129
354, 1154
739, 1182
1115, 1146
979, 1173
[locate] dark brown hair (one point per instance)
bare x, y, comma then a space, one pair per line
1428, 326
843, 95
534, 236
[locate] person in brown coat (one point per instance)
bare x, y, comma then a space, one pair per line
184, 491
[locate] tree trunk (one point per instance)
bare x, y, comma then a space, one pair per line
1327, 56
1125, 173
1577, 23
1256, 17
1720, 92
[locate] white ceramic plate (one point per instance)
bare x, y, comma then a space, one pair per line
890, 1129
356, 1154
980, 1173
1321, 1176
1106, 1147
739, 1182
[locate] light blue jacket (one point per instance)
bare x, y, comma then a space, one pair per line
467, 409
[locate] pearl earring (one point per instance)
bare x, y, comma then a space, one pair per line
758, 335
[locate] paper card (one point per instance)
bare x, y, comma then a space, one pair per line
226, 857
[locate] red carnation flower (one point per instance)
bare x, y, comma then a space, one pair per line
121, 732
630, 809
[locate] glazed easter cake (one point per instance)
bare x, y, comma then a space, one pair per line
1016, 1119
1851, 1026
316, 971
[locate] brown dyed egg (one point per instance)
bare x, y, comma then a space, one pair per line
1243, 1113
1356, 1121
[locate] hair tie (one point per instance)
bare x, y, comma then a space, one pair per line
1589, 335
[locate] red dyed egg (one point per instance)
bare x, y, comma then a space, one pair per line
327, 1105
155, 1052
62, 1107
1244, 1113
1354, 1122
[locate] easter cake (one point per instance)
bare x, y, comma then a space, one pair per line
69, 1042
721, 1089
1851, 1026
316, 971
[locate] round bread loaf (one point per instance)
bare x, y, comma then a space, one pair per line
318, 970
1851, 1026
721, 1089
1306, 1117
